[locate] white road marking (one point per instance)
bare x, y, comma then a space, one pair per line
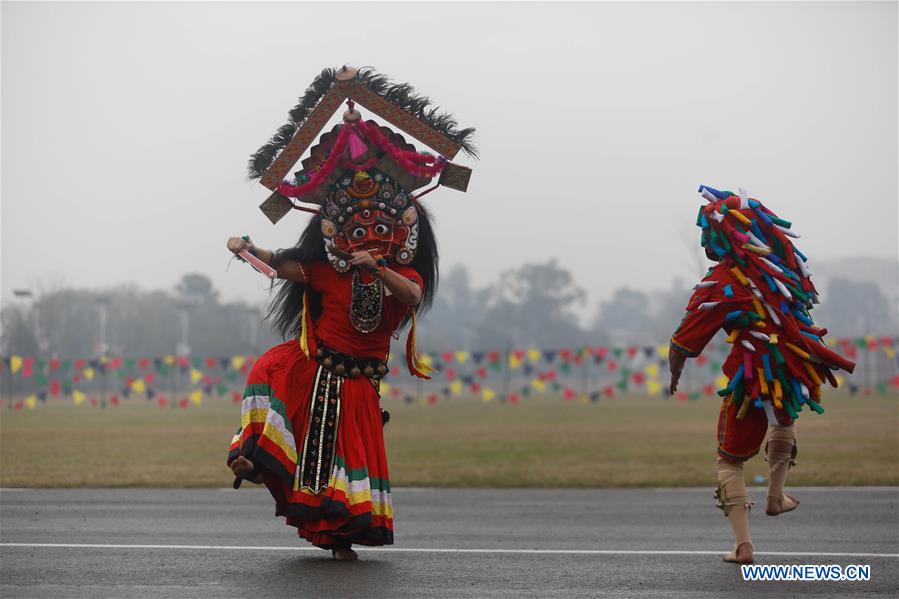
446, 550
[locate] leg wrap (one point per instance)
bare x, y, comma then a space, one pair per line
731, 491
780, 451
732, 499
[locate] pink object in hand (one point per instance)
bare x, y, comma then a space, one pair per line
258, 264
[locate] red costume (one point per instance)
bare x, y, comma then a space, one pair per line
355, 504
311, 417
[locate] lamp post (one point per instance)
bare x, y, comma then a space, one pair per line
27, 296
102, 344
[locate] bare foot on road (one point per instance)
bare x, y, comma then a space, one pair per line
344, 554
241, 466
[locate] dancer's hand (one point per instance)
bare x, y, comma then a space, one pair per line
237, 244
676, 361
672, 386
365, 261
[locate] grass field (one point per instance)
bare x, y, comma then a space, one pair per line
624, 441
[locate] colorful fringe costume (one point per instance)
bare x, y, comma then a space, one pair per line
311, 420
761, 293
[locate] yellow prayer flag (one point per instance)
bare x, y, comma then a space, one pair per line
583, 398
139, 386
534, 355
88, 373
653, 387
538, 384
169, 360
196, 397
462, 357
237, 362
456, 387
889, 351
195, 376
652, 371
15, 363
31, 402
488, 394
78, 397
514, 361
663, 350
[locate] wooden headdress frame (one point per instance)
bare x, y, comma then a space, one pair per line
346, 87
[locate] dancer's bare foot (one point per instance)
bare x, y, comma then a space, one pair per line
241, 466
740, 555
777, 506
344, 554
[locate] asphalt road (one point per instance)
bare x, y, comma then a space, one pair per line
450, 543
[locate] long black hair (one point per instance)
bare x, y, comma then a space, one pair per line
285, 309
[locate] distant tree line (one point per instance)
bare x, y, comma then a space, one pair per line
532, 305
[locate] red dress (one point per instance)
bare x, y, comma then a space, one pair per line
353, 503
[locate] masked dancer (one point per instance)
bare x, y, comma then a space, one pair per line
365, 265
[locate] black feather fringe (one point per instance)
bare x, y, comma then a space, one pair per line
404, 96
265, 156
401, 95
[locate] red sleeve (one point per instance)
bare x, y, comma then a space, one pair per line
720, 294
696, 330
312, 272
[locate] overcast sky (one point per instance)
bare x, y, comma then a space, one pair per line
126, 129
